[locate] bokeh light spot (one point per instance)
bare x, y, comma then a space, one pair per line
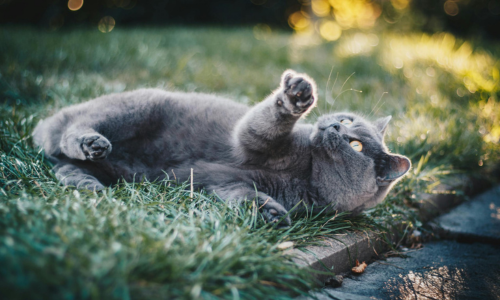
320, 8
408, 72
262, 32
330, 30
400, 4
494, 8
298, 21
106, 24
451, 8
398, 63
355, 13
430, 72
75, 5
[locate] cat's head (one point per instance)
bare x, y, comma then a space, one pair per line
352, 168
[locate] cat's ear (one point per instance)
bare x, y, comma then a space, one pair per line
286, 76
381, 124
397, 166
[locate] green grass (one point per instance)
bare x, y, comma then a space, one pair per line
151, 240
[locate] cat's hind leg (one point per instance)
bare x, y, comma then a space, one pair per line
272, 211
74, 175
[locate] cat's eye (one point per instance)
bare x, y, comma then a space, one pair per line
356, 145
345, 122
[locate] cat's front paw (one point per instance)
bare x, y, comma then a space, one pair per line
274, 212
299, 92
95, 146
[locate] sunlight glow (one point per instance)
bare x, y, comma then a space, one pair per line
357, 44
355, 13
438, 283
490, 110
326, 15
477, 68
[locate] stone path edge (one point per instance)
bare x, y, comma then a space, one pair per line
340, 252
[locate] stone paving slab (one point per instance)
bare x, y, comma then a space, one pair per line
332, 294
477, 220
434, 205
440, 270
339, 254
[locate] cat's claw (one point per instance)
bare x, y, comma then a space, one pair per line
95, 147
299, 93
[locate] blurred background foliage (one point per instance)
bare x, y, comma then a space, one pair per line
327, 17
443, 50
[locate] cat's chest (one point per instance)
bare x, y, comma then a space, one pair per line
286, 188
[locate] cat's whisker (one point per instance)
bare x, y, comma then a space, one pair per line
331, 91
346, 81
328, 96
335, 82
315, 114
346, 91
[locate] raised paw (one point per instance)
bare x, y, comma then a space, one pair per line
95, 146
299, 92
274, 212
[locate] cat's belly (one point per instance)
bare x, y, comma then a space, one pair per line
156, 159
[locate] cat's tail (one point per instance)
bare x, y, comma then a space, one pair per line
37, 134
47, 137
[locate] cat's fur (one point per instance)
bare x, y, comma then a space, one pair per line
237, 152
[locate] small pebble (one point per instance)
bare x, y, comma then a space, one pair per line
335, 281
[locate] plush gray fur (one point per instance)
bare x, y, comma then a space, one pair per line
236, 152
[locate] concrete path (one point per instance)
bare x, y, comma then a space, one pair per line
474, 221
446, 269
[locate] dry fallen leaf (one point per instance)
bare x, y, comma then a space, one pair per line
416, 246
285, 245
359, 268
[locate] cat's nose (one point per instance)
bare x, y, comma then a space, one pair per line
336, 126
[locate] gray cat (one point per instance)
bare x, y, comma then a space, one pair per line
237, 152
